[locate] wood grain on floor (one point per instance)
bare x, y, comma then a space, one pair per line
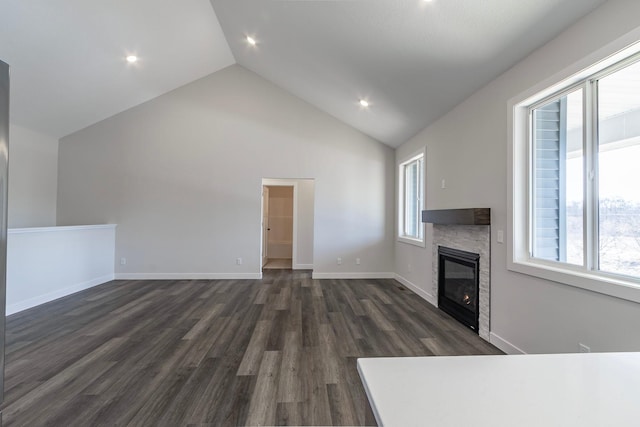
281, 350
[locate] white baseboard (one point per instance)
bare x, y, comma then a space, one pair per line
416, 290
41, 299
188, 276
303, 267
504, 345
352, 275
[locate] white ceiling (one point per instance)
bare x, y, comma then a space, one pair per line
412, 60
67, 57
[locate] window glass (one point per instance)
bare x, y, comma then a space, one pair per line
412, 192
618, 171
557, 179
574, 202
412, 177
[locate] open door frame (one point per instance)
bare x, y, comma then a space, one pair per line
4, 190
265, 225
294, 242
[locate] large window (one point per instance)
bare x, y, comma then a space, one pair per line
411, 229
580, 212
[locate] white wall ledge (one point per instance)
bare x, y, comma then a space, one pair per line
60, 228
46, 263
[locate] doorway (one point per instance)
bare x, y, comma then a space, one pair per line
287, 223
277, 224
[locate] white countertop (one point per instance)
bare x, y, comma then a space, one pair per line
593, 389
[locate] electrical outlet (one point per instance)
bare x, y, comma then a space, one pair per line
443, 184
123, 261
584, 348
339, 261
500, 236
239, 261
357, 261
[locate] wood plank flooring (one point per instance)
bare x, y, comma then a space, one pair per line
276, 351
278, 264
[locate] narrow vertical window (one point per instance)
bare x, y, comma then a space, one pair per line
411, 202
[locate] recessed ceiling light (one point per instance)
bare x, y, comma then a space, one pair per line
251, 40
131, 59
364, 103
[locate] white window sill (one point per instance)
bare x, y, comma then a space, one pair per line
415, 242
603, 283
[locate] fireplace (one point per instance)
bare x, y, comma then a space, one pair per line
458, 285
469, 230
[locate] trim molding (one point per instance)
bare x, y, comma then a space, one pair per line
187, 276
416, 290
352, 275
303, 267
504, 345
41, 299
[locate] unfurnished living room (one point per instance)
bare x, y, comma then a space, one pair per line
320, 212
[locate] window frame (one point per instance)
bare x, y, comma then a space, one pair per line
585, 74
402, 203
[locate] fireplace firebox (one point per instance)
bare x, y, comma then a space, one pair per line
458, 285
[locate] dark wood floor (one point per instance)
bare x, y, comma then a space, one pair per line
281, 350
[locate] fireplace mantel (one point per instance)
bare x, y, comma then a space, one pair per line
471, 216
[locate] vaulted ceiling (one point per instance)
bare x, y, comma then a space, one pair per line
412, 60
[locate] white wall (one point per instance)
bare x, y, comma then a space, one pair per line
33, 178
181, 175
468, 148
305, 202
46, 263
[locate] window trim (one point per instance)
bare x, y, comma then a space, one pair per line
607, 60
401, 237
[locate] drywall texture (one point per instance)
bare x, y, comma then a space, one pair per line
33, 178
181, 175
468, 148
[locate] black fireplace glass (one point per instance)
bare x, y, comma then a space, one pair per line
458, 285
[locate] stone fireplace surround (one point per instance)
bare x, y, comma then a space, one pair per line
467, 231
